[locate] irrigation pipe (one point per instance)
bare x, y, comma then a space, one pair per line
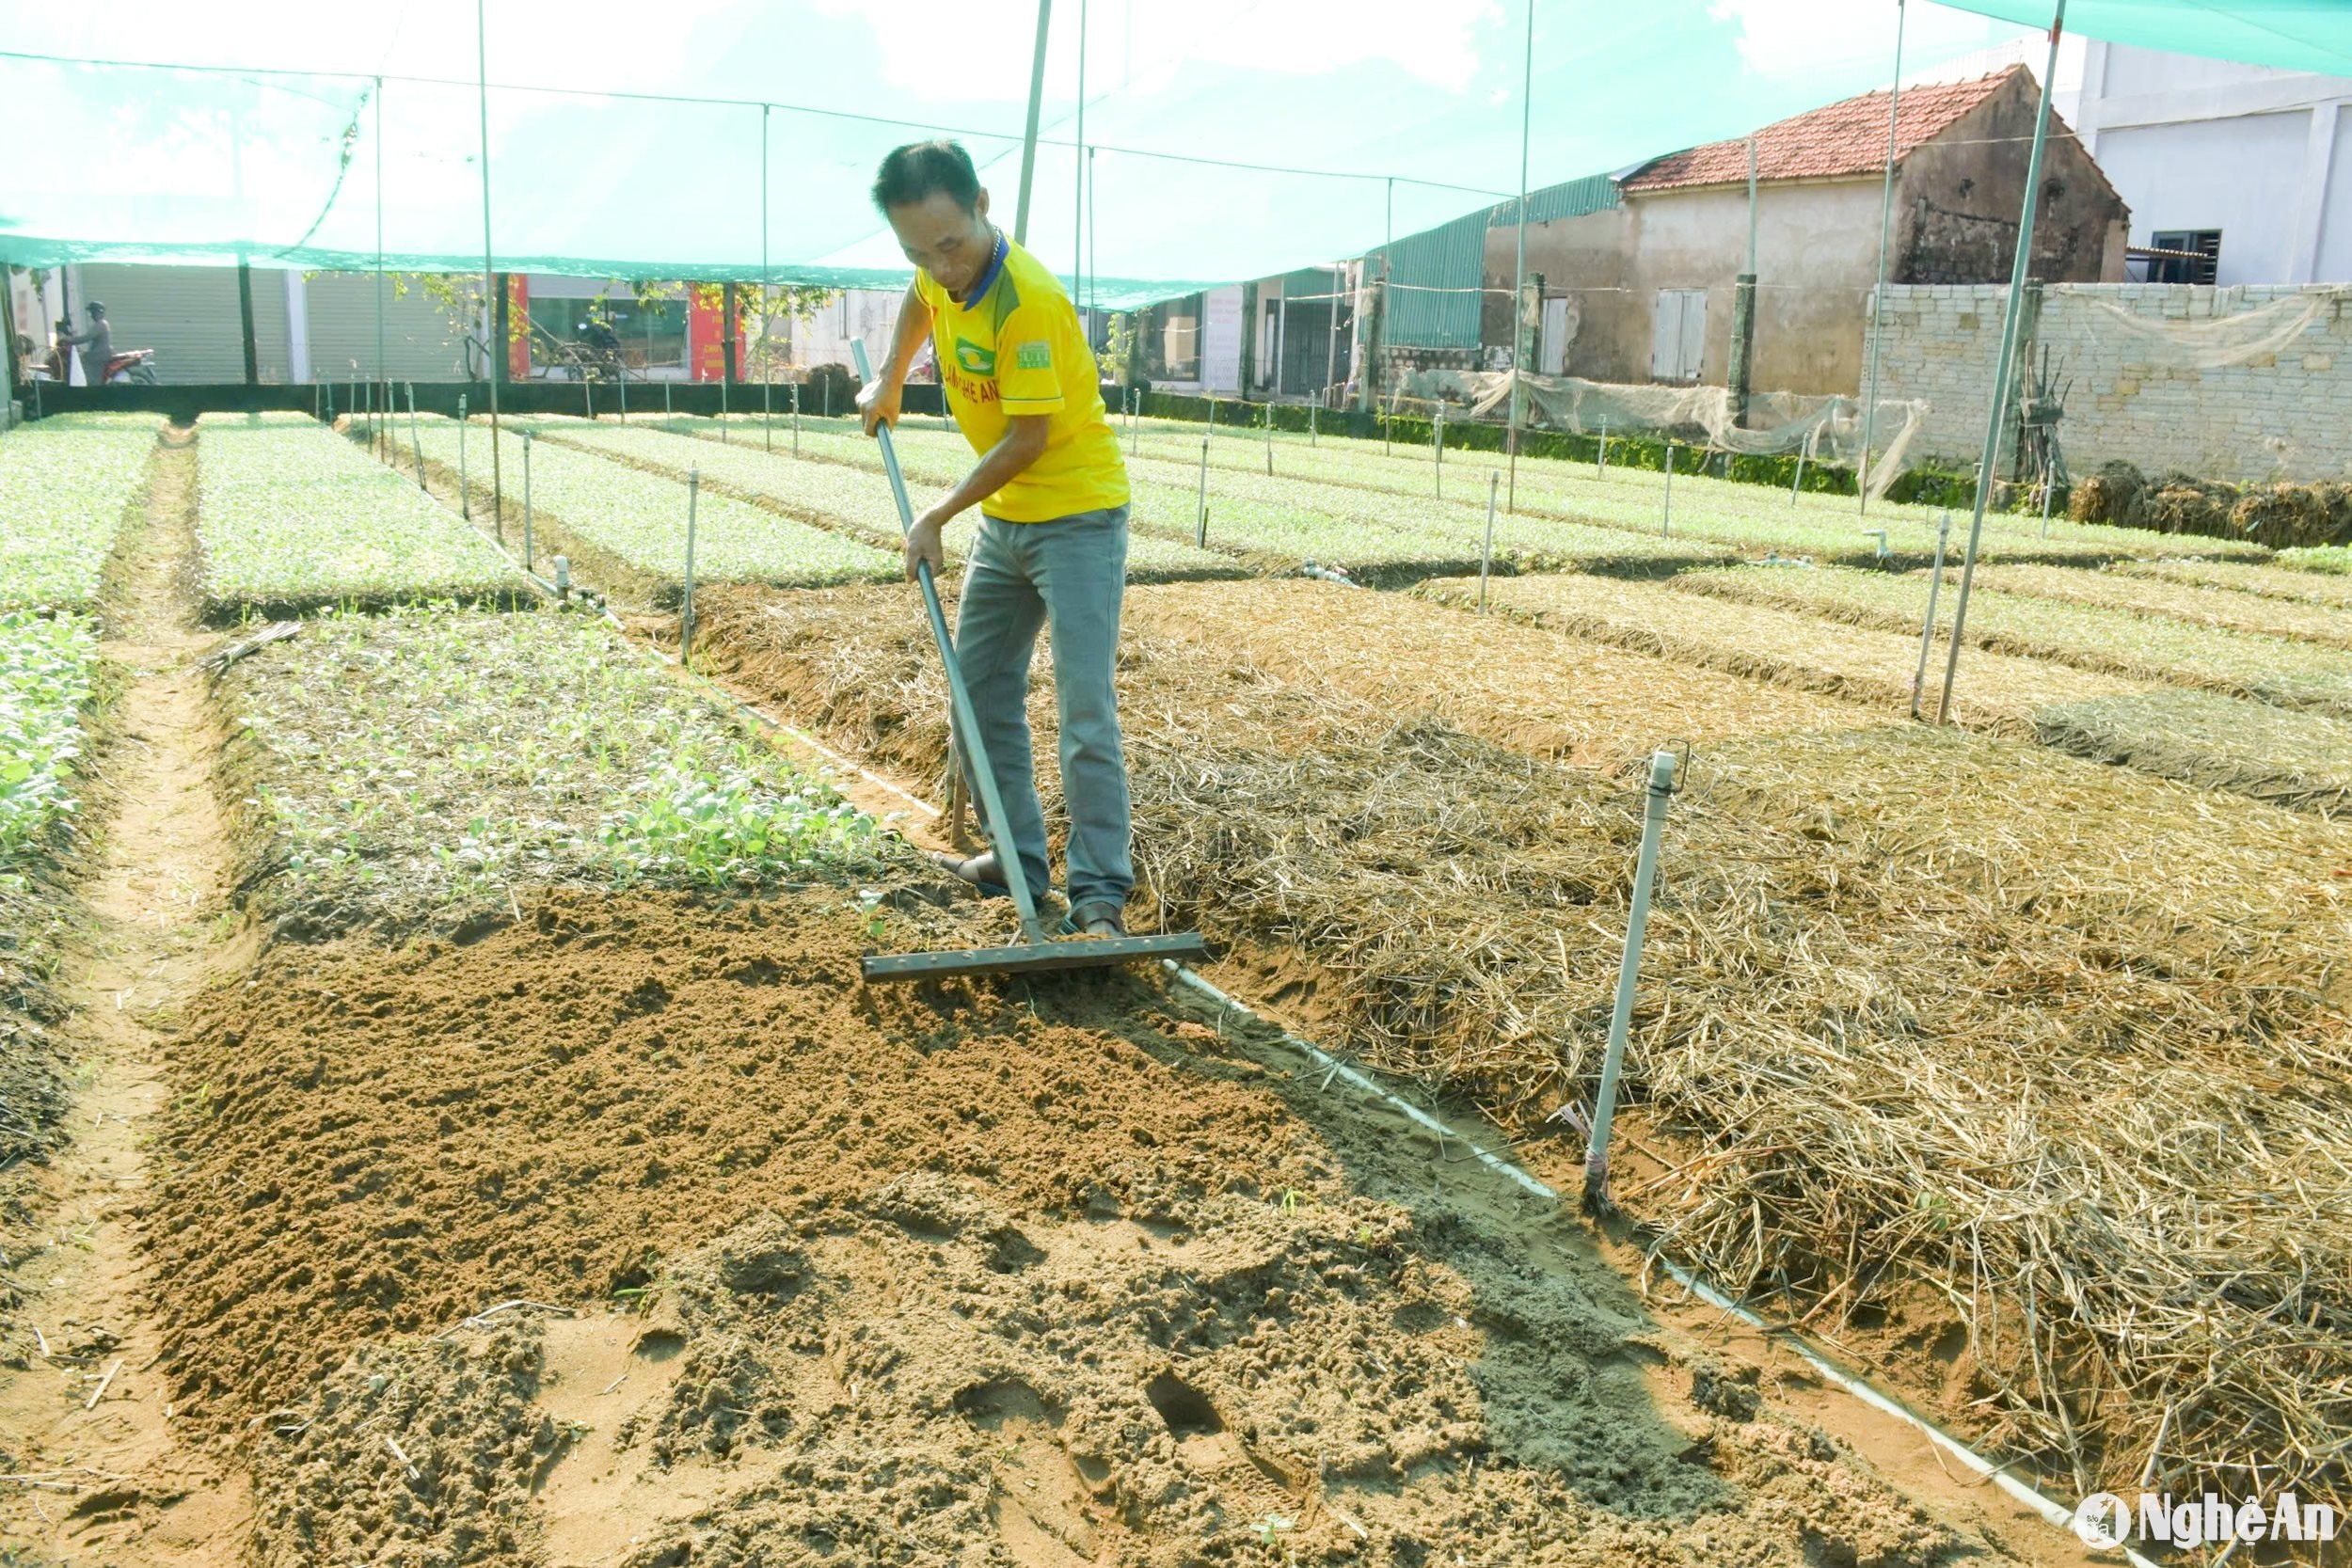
1860, 1389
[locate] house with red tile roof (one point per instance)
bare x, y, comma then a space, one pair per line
1646, 290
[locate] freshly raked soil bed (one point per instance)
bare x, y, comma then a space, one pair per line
628, 1226
1929, 1008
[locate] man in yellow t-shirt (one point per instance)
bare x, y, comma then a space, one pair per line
1052, 489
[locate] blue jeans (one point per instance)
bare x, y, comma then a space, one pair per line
1067, 575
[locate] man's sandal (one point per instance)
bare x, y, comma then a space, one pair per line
1092, 919
982, 871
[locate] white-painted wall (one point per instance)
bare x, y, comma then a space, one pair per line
2259, 154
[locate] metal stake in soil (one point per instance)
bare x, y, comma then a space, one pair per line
1927, 627
622, 381
667, 422
722, 409
1487, 551
1661, 788
587, 392
1201, 535
1269, 439
796, 418
1437, 452
465, 495
686, 605
1798, 484
1600, 461
527, 558
415, 446
1666, 521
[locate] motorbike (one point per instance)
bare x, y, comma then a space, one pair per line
134, 365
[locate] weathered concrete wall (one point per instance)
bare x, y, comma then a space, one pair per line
1957, 199
2154, 394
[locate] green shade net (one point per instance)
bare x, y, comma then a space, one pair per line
2289, 34
1230, 139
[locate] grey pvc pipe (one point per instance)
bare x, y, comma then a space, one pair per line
1661, 788
1927, 627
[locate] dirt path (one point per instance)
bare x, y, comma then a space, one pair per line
100, 1472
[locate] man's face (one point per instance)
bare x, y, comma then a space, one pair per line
950, 244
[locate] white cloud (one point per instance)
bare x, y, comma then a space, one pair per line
1804, 38
1142, 43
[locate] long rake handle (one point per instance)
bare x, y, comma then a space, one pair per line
959, 696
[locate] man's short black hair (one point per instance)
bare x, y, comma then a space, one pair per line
922, 170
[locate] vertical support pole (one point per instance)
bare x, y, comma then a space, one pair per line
1437, 453
588, 393
245, 311
1487, 550
621, 390
1028, 135
1661, 788
379, 239
1518, 283
1798, 484
1997, 413
2049, 486
1666, 520
1330, 350
465, 491
1269, 439
527, 551
686, 604
1600, 460
1878, 291
726, 375
1201, 526
667, 421
494, 306
1927, 627
796, 418
1311, 410
1078, 179
766, 306
416, 444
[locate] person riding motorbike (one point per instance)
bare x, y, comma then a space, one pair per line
601, 348
96, 346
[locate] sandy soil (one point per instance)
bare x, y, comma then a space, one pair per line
102, 1466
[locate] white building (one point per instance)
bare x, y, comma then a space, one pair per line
2248, 166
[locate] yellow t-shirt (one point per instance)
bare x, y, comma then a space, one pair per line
1016, 348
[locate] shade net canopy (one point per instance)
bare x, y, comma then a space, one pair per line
1228, 139
730, 140
2289, 34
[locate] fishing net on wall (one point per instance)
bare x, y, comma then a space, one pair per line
1826, 429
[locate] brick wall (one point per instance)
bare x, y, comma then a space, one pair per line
2155, 397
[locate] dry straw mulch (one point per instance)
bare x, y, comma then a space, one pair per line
2176, 600
2298, 760
2064, 1045
1864, 664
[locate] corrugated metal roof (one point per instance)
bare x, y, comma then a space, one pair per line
1439, 271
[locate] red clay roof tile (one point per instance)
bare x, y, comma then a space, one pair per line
1848, 137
